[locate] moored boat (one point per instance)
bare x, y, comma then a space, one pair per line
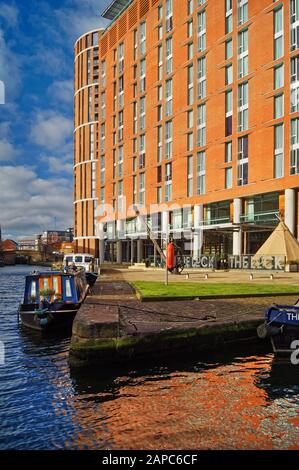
84, 261
282, 327
52, 299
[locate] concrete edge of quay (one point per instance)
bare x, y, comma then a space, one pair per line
104, 349
104, 335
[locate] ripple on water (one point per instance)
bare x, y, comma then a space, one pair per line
223, 401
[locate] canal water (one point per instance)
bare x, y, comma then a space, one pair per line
231, 400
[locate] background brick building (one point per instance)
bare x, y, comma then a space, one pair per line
193, 104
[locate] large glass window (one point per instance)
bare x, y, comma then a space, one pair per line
243, 107
201, 173
278, 33
243, 53
242, 166
294, 146
278, 151
201, 31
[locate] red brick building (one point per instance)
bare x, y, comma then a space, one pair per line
188, 110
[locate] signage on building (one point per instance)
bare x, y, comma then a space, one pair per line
276, 263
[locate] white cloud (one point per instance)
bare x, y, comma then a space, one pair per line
30, 204
62, 91
51, 130
80, 17
59, 165
10, 70
7, 151
9, 14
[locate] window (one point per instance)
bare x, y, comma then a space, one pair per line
228, 152
103, 106
278, 33
190, 176
168, 98
190, 7
228, 178
168, 56
168, 140
190, 51
201, 31
243, 107
159, 141
190, 85
278, 106
168, 16
294, 84
190, 142
228, 113
242, 11
201, 125
142, 151
102, 138
243, 53
142, 75
141, 195
279, 76
200, 173
190, 122
121, 91
242, 166
142, 111
228, 16
121, 58
103, 74
159, 195
120, 196
294, 13
160, 62
135, 45
228, 49
190, 29
201, 78
134, 189
135, 117
278, 152
120, 161
142, 38
168, 182
229, 74
120, 126
294, 170
102, 178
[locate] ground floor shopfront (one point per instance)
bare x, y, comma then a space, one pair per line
227, 228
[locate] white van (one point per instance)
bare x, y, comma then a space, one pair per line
81, 260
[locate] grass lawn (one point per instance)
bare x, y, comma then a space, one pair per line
192, 289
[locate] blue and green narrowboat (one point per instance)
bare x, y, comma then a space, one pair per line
52, 299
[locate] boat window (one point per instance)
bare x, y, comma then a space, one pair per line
55, 284
33, 289
69, 258
88, 259
78, 259
46, 283
68, 289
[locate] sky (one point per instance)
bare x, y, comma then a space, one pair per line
36, 122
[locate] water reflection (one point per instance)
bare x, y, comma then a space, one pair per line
236, 399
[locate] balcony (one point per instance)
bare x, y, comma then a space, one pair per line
217, 221
270, 217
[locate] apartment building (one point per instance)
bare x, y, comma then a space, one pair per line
187, 115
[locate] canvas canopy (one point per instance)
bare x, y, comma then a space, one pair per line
280, 243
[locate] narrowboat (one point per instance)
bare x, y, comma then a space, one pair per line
282, 327
52, 299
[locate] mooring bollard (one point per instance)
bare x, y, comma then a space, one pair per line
206, 276
251, 277
187, 276
271, 277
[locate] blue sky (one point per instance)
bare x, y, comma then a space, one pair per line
36, 121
